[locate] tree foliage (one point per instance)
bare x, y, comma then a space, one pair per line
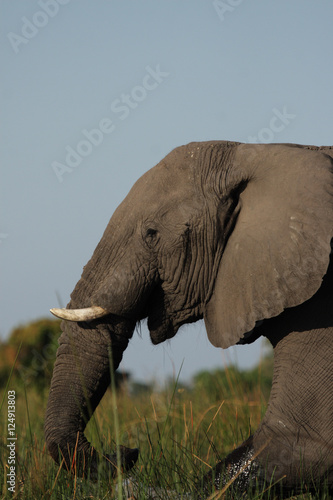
35, 345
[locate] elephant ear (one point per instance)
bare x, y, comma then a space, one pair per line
278, 251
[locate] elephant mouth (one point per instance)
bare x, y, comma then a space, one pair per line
161, 329
161, 326
164, 327
164, 320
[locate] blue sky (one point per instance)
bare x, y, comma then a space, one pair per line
150, 76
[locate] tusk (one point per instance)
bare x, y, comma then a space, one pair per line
87, 314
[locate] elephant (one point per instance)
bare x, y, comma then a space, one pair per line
236, 234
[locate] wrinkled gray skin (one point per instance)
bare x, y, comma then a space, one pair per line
239, 235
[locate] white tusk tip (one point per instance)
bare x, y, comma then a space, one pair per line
86, 314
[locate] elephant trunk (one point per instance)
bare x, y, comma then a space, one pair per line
80, 378
105, 305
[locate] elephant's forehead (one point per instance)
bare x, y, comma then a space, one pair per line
163, 188
166, 178
163, 183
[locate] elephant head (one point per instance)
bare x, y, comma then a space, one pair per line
232, 233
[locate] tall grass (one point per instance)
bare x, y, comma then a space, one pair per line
181, 434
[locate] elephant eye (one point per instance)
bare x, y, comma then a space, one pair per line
151, 237
151, 233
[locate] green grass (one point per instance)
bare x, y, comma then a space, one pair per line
180, 432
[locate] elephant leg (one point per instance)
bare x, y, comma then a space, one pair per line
240, 469
293, 445
80, 378
298, 424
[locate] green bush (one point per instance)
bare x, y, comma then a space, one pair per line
35, 345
